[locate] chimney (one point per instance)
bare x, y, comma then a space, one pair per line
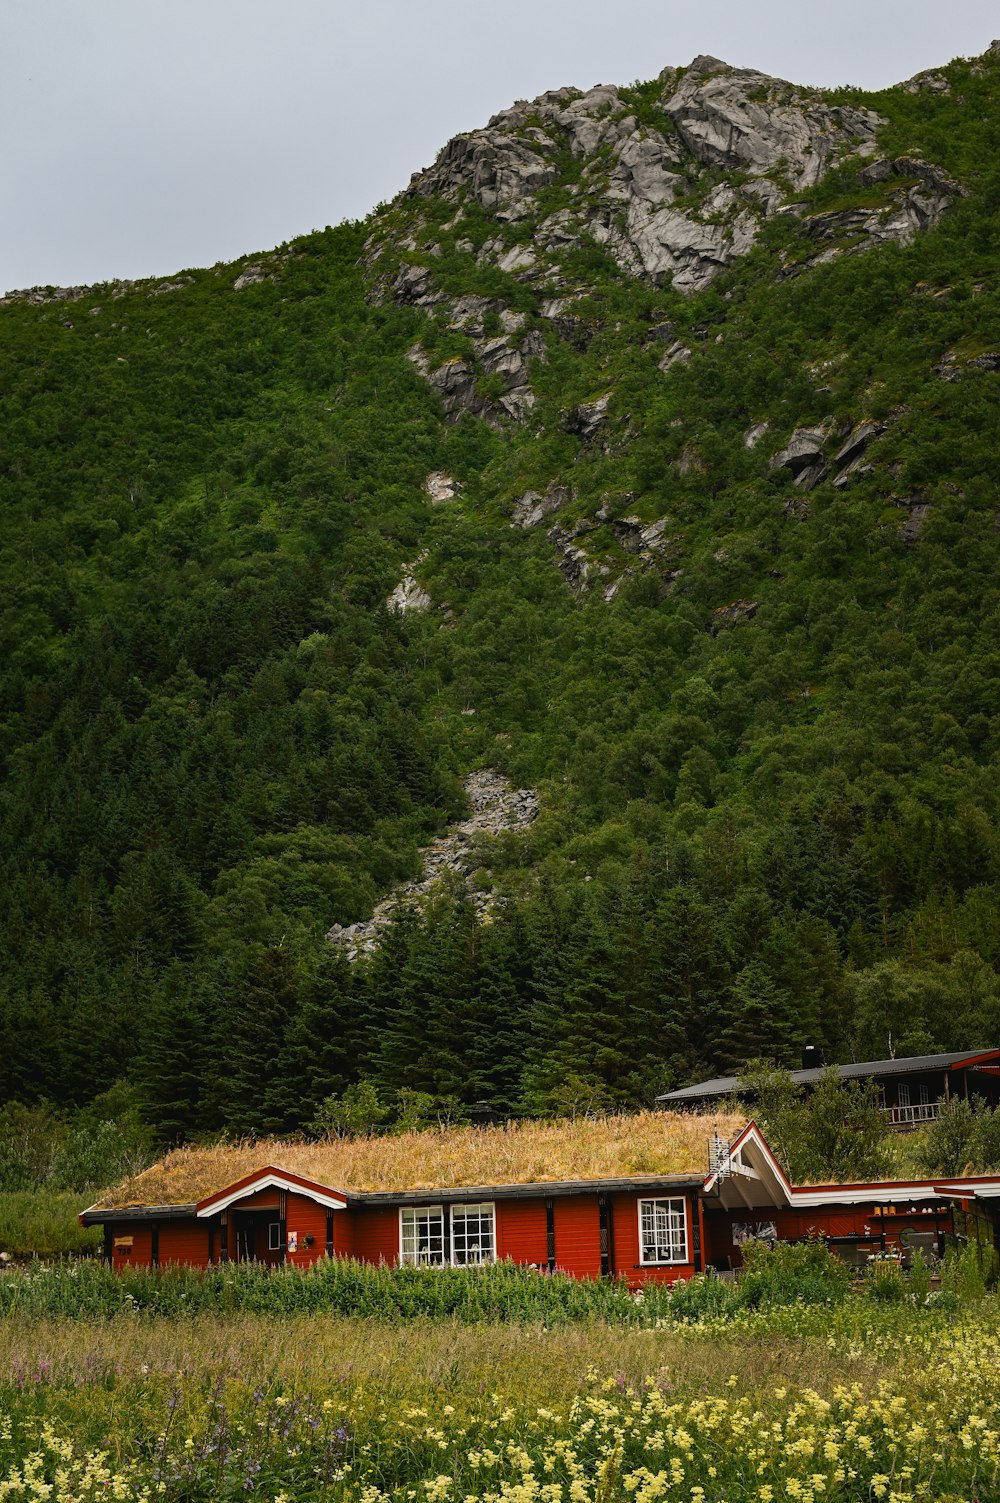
812, 1059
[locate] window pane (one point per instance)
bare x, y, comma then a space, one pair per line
662, 1231
472, 1234
422, 1235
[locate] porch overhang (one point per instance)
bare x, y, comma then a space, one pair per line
270, 1178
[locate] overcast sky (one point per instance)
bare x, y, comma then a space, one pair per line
140, 137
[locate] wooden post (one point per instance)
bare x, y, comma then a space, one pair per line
550, 1234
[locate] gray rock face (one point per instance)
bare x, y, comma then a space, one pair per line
533, 507
927, 82
502, 171
651, 197
912, 208
733, 614
250, 276
408, 594
440, 487
677, 353
457, 382
849, 459
589, 418
575, 564
35, 296
738, 118
497, 809
687, 252
643, 539
803, 455
950, 367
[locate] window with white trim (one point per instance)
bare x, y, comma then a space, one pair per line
473, 1234
274, 1242
421, 1235
663, 1231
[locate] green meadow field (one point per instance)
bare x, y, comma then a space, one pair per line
788, 1392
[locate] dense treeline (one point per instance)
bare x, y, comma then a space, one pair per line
216, 740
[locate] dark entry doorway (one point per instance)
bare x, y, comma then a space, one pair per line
259, 1235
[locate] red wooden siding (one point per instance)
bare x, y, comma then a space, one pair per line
306, 1219
627, 1266
578, 1235
376, 1234
521, 1232
140, 1254
343, 1233
261, 1200
186, 1242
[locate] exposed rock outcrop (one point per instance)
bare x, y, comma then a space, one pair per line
849, 459
917, 511
951, 365
408, 596
575, 563
733, 614
767, 131
497, 808
589, 418
803, 457
740, 119
533, 507
457, 382
440, 487
924, 192
251, 276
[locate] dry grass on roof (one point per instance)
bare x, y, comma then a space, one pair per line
655, 1143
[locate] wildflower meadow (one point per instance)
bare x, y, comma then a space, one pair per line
864, 1396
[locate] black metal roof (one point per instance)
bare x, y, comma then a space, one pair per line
537, 1189
725, 1085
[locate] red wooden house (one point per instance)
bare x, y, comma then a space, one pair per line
640, 1228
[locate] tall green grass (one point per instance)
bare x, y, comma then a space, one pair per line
43, 1223
805, 1274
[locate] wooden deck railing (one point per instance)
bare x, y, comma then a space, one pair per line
912, 1116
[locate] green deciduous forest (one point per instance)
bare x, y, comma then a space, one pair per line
768, 766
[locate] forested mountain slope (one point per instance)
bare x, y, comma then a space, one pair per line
673, 410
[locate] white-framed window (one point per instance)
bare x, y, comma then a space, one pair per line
274, 1242
663, 1236
473, 1234
421, 1235
904, 1093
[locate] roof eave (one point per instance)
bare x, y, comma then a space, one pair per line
96, 1215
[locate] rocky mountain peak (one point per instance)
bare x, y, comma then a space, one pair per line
672, 181
742, 120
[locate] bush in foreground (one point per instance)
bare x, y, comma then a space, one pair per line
803, 1273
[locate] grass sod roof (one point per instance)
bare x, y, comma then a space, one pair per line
618, 1147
